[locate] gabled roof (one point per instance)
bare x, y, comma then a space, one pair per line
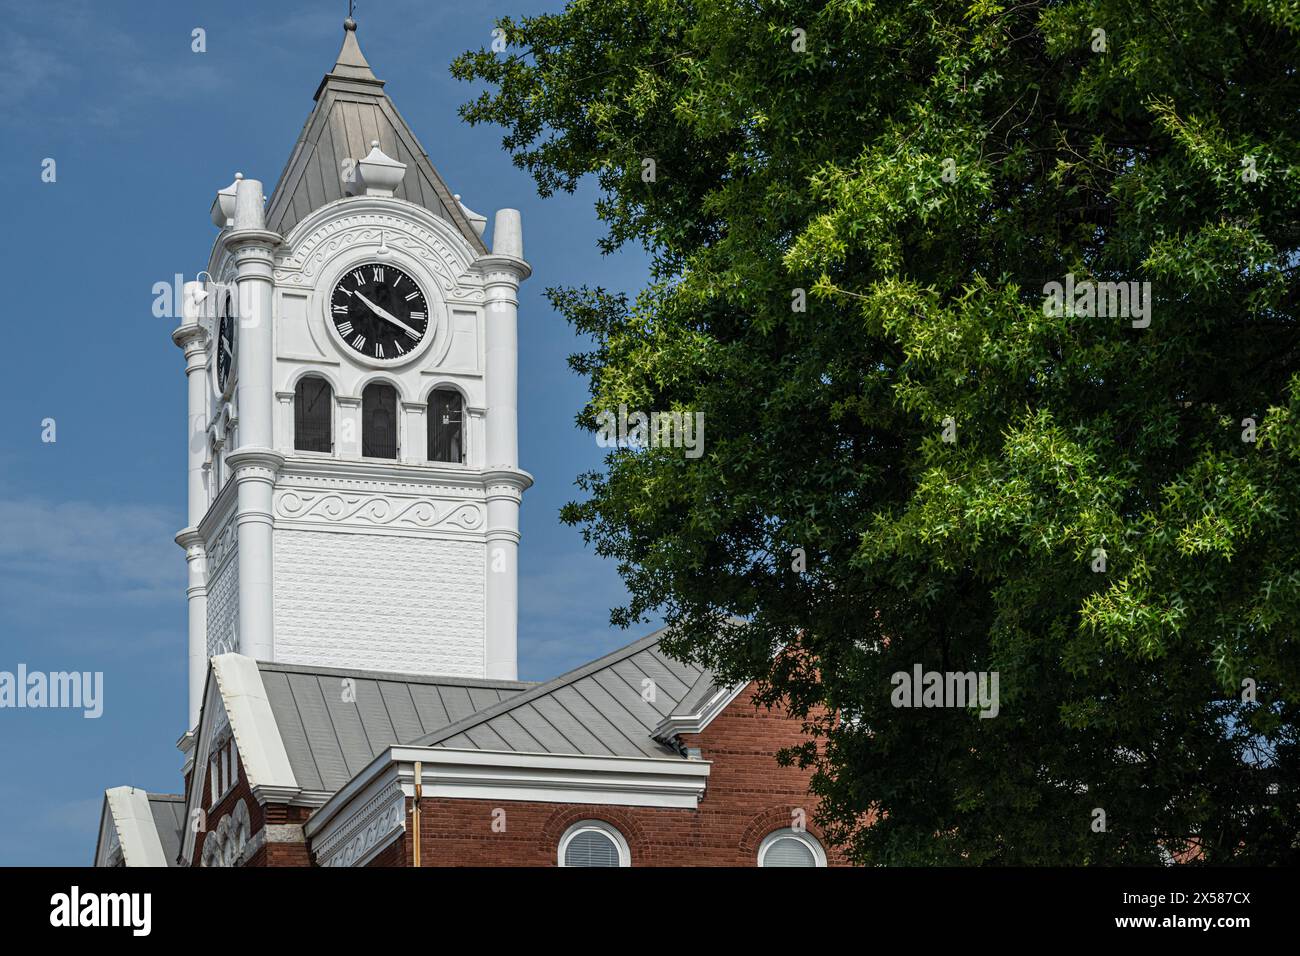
352, 110
144, 827
168, 818
599, 709
332, 730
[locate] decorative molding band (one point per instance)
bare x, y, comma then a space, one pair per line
378, 510
356, 839
494, 775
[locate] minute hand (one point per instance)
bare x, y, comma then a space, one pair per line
388, 317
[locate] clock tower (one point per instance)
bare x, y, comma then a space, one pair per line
354, 484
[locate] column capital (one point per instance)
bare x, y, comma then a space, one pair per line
192, 541
257, 464
508, 483
502, 270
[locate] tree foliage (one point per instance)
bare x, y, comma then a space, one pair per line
923, 170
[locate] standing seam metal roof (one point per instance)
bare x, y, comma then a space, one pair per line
352, 110
598, 709
331, 731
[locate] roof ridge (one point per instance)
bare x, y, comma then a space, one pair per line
397, 677
539, 690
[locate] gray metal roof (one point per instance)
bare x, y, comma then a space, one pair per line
599, 709
351, 111
331, 730
168, 811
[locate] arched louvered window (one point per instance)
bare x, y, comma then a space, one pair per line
446, 426
313, 415
593, 843
791, 847
379, 421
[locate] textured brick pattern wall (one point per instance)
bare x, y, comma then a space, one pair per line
748, 797
223, 607
379, 601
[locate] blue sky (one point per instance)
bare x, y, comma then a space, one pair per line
144, 132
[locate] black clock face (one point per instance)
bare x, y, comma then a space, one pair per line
225, 345
380, 311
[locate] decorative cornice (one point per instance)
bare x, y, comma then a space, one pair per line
494, 775
355, 840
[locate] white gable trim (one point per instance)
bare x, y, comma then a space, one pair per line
261, 749
132, 820
235, 697
694, 723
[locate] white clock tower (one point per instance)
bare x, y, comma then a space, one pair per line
354, 483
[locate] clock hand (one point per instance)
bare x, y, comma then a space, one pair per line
387, 317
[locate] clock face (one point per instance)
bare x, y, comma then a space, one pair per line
225, 345
379, 311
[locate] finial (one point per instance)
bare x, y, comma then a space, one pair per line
238, 176
349, 23
374, 144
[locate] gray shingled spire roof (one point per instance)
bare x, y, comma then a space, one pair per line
351, 111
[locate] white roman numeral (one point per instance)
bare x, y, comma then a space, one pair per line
413, 295
378, 273
359, 342
379, 350
361, 280
419, 315
345, 329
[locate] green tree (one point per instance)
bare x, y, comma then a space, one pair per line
1107, 531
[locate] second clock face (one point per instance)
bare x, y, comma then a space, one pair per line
379, 311
225, 345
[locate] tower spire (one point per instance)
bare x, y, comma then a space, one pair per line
351, 61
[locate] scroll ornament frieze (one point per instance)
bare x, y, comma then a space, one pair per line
379, 820
378, 510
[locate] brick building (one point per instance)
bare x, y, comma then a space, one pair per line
352, 545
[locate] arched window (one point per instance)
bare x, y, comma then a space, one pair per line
313, 415
593, 843
791, 847
379, 421
446, 426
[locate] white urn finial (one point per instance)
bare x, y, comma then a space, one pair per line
380, 174
223, 207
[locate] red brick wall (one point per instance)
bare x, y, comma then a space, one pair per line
747, 797
269, 854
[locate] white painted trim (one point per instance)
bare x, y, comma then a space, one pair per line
788, 833
600, 826
683, 723
136, 832
509, 776
265, 761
